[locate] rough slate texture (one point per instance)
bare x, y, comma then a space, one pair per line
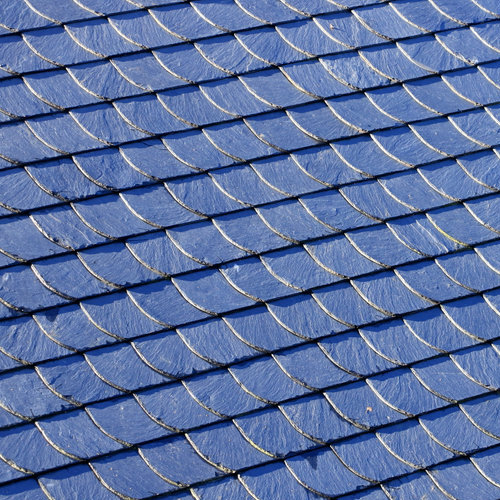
249, 249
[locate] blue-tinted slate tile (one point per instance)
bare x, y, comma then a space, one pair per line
401, 390
480, 363
17, 232
473, 86
323, 473
352, 71
211, 445
381, 246
102, 80
251, 278
270, 431
58, 89
290, 220
382, 463
404, 146
153, 159
220, 393
20, 16
464, 313
256, 236
422, 14
231, 96
355, 151
156, 206
242, 183
25, 395
457, 224
156, 351
371, 199
285, 175
61, 133
19, 144
142, 29
443, 378
467, 46
63, 483
440, 135
337, 254
417, 233
310, 7
417, 485
26, 448
63, 179
121, 367
326, 166
332, 209
203, 243
210, 292
62, 323
67, 276
390, 62
125, 421
489, 254
115, 264
410, 443
109, 170
354, 354
316, 418
176, 460
23, 489
469, 270
297, 269
360, 406
67, 11
191, 106
99, 38
434, 95
147, 114
306, 37
64, 378
76, 435
309, 365
268, 11
273, 88
110, 217
19, 192
143, 71
266, 380
22, 290
304, 317
53, 45
410, 189
345, 28
426, 279
120, 472
260, 330
172, 406
486, 211
318, 121
229, 488
312, 78
478, 126
215, 342
486, 31
118, 316
438, 425
18, 101
183, 21
225, 14
487, 462
396, 102
185, 61
103, 122
396, 342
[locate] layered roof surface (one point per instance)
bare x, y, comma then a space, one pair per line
249, 249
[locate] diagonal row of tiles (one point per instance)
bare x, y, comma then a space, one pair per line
434, 369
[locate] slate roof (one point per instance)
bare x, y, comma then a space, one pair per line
249, 249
